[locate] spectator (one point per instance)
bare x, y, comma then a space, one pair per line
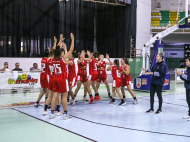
17, 67
5, 67
35, 67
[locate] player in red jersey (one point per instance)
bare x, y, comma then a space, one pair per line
81, 75
126, 79
115, 70
93, 73
51, 76
43, 76
50, 87
72, 78
60, 82
102, 75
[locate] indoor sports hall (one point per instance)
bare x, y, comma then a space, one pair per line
95, 70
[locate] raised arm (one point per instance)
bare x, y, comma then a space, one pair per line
61, 40
71, 48
109, 63
55, 42
64, 47
89, 57
109, 68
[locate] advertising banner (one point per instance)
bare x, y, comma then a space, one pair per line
22, 81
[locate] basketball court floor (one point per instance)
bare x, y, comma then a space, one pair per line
100, 121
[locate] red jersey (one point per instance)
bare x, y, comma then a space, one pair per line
82, 69
72, 71
44, 66
102, 68
93, 67
50, 67
60, 68
124, 77
115, 73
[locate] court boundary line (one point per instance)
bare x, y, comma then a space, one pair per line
112, 125
131, 128
54, 125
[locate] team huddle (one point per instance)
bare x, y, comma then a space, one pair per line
58, 83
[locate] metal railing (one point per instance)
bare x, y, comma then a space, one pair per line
132, 53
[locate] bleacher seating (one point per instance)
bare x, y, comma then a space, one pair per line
165, 18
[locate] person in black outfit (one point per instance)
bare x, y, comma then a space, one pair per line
17, 67
158, 73
186, 78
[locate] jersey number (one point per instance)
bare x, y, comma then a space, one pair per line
57, 69
118, 74
43, 66
51, 68
95, 65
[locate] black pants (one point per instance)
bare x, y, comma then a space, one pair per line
188, 99
158, 89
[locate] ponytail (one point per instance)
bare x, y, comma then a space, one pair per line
126, 61
116, 61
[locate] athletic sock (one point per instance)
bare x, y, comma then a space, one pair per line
46, 98
58, 108
134, 98
46, 107
90, 95
109, 94
75, 96
67, 100
123, 96
97, 94
65, 111
37, 102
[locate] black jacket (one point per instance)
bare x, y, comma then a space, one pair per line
186, 78
159, 73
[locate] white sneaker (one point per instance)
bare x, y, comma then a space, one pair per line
66, 116
75, 100
45, 112
186, 117
72, 101
58, 113
135, 102
52, 116
37, 105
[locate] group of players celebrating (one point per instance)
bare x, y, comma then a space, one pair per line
58, 83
